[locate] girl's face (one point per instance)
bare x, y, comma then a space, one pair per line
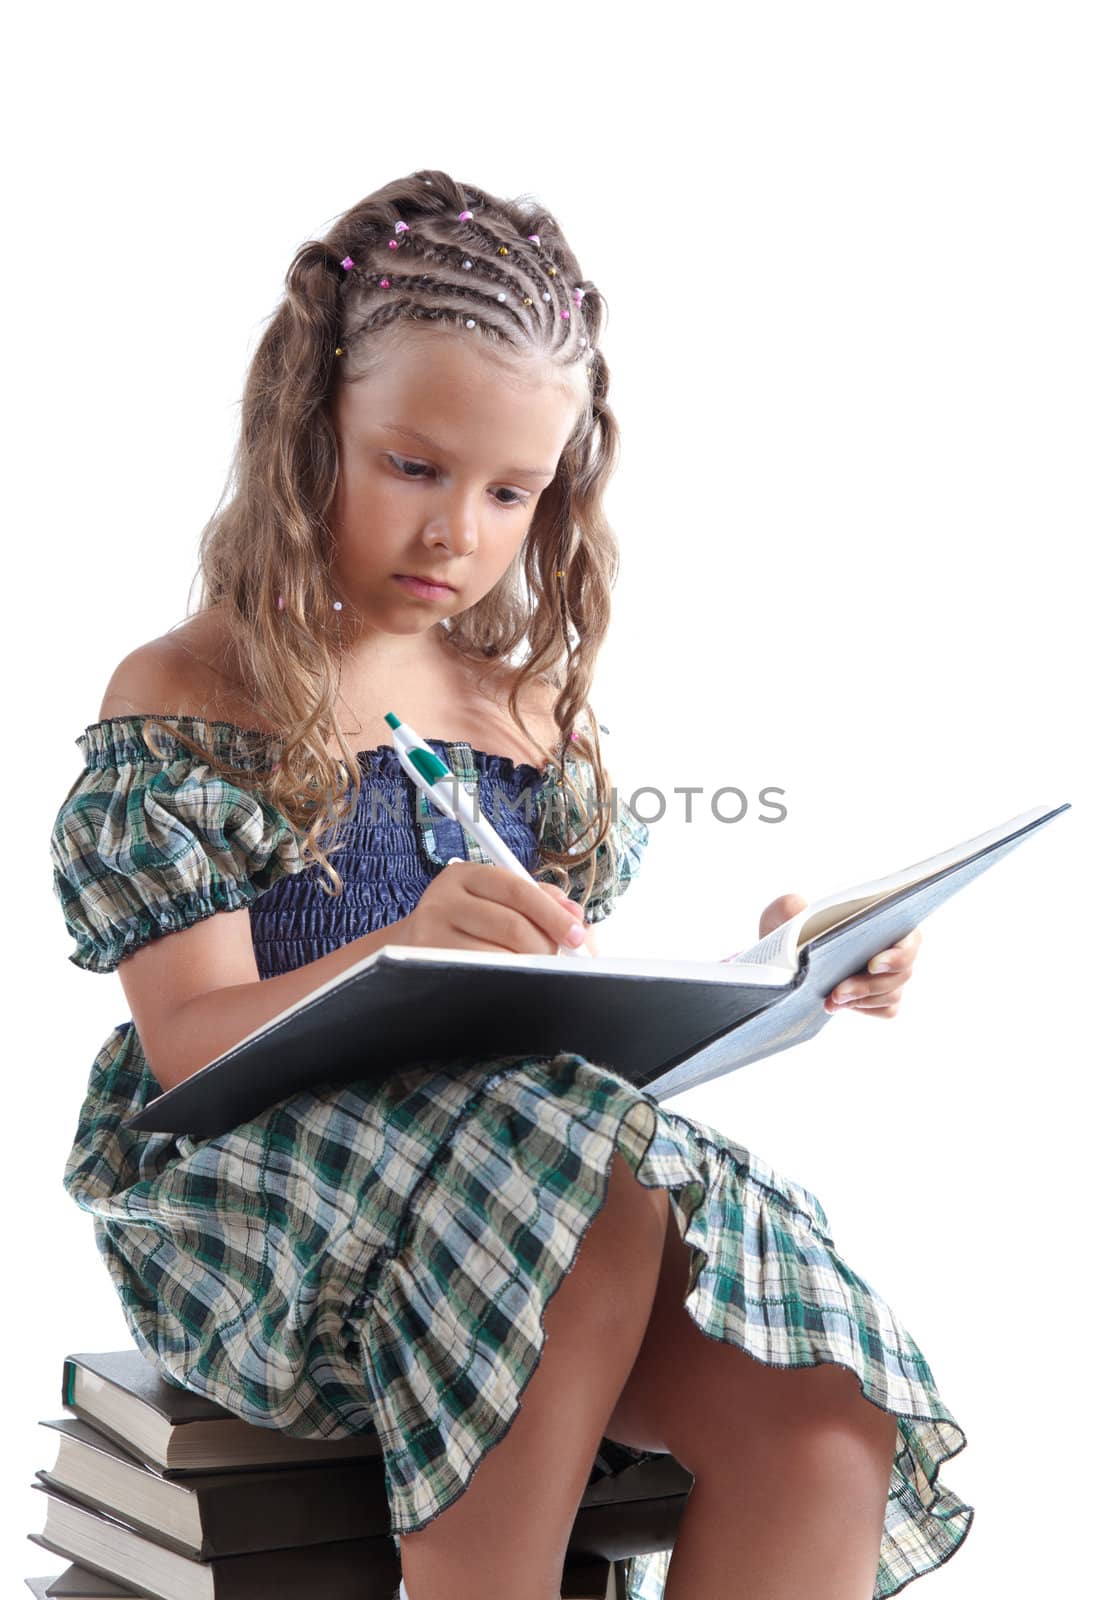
456, 504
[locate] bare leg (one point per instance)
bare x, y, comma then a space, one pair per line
792, 1465
507, 1534
794, 1511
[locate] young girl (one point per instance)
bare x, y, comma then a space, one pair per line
523, 1273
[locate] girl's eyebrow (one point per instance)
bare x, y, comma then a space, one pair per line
514, 472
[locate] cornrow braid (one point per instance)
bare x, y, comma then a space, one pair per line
507, 271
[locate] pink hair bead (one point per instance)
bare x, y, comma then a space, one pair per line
280, 602
464, 216
393, 244
385, 283
532, 237
575, 735
348, 263
402, 227
565, 315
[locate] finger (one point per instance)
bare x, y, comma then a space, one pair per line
897, 955
877, 1006
878, 1011
877, 1003
556, 917
857, 991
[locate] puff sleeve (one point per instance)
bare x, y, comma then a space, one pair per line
143, 846
618, 860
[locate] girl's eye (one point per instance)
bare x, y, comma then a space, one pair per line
420, 467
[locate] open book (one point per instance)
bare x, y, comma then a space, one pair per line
665, 1026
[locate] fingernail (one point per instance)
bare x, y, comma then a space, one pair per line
576, 935
880, 966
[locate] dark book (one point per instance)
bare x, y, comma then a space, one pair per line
346, 1569
219, 1513
665, 1026
123, 1394
80, 1583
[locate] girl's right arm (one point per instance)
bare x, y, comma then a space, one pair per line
195, 992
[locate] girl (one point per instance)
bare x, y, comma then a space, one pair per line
521, 1273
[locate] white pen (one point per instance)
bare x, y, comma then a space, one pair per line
438, 784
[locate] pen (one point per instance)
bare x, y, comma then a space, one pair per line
444, 789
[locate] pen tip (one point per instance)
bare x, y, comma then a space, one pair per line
391, 719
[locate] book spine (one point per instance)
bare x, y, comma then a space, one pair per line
321, 1507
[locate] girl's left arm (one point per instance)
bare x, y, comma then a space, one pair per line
876, 996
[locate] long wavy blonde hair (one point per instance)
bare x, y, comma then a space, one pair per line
528, 301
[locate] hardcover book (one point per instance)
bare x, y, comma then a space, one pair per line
665, 1026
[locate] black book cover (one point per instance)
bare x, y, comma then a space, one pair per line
243, 1511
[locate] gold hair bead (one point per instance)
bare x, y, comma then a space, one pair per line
337, 352
503, 251
527, 301
552, 272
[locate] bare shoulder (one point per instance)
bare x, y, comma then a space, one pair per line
178, 674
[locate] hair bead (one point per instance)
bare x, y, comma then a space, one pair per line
466, 216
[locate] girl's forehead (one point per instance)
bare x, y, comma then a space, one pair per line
434, 386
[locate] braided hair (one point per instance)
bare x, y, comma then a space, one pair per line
482, 275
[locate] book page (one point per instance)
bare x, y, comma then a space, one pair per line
781, 947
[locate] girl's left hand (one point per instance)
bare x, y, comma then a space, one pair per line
876, 996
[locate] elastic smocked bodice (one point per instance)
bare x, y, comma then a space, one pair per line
391, 848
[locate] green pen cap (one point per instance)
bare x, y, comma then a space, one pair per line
431, 768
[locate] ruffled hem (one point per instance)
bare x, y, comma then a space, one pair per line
791, 1301
483, 1182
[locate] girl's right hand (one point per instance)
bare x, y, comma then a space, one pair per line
473, 905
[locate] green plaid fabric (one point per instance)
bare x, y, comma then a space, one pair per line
379, 1258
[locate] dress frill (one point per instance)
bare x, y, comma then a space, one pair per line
452, 1275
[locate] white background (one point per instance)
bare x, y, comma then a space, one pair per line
853, 255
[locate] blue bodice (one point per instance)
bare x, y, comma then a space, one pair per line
391, 848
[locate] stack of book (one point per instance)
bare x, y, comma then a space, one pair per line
161, 1493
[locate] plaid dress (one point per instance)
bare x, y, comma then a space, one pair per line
379, 1257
